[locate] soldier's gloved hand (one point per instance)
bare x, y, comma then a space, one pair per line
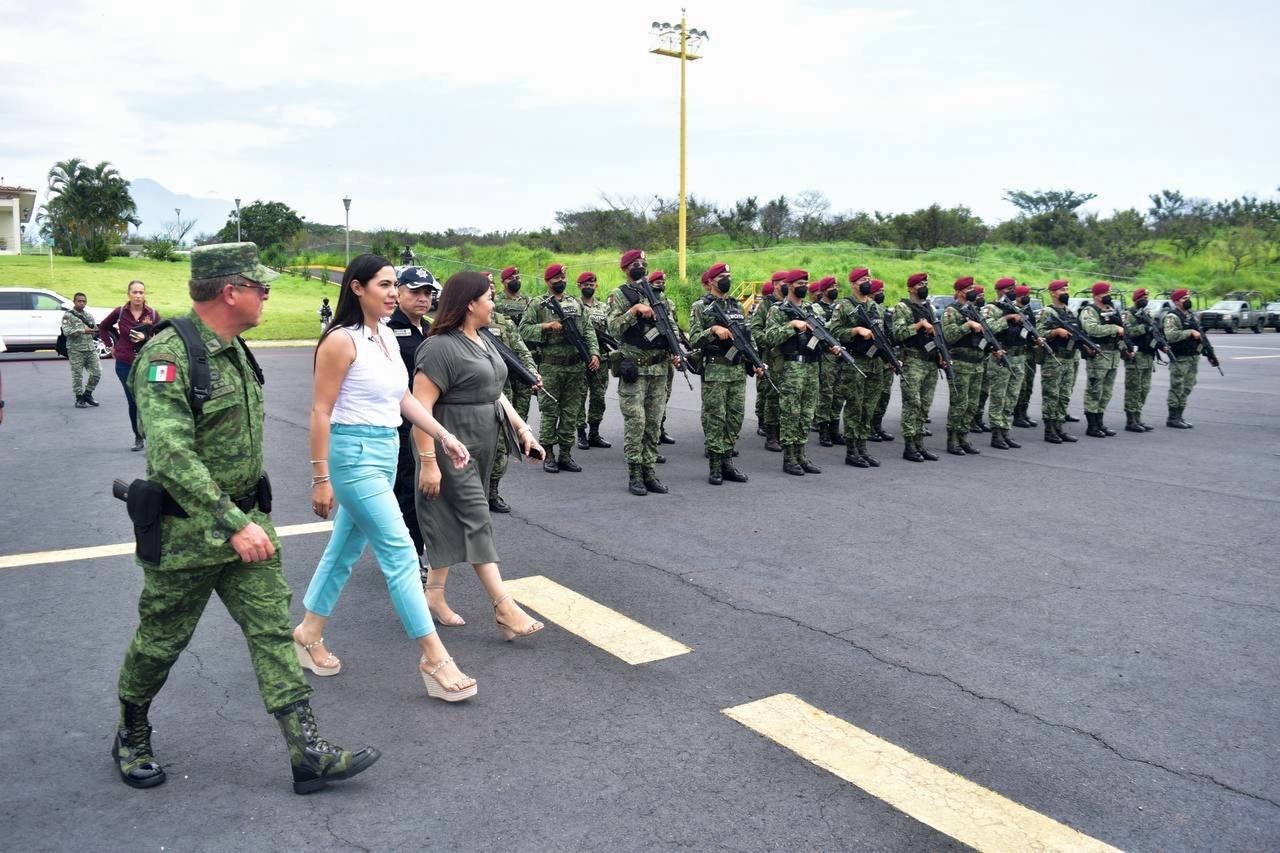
252, 544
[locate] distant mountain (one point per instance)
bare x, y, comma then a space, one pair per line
156, 209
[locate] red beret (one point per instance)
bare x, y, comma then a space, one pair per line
828, 281
767, 289
979, 288
553, 271
796, 275
1179, 294
780, 275
703, 278
657, 275
1100, 288
715, 272
1058, 284
1002, 283
964, 282
586, 277
857, 273
1140, 293
876, 285
1021, 290
509, 273
629, 257
917, 278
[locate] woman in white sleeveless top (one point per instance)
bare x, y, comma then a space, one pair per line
361, 390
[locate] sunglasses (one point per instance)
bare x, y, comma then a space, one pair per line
265, 288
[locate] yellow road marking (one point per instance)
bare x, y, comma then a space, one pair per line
932, 795
607, 629
36, 558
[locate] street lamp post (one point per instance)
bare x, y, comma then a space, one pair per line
684, 50
238, 220
177, 214
346, 205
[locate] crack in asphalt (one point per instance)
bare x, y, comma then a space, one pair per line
328, 827
874, 655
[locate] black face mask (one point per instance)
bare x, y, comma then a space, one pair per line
980, 301
660, 285
637, 273
1106, 300
783, 288
1062, 299
588, 292
922, 292
557, 287
514, 285
831, 294
971, 295
723, 284
865, 288
1140, 304
1024, 301
879, 298
801, 290
1186, 304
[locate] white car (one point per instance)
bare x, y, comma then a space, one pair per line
31, 319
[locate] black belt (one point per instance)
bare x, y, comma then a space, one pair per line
800, 359
172, 508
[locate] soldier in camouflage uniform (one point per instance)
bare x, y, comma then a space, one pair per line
1104, 323
755, 322
512, 305
1057, 374
507, 332
963, 337
597, 381
1184, 341
642, 375
563, 372
878, 433
724, 379
858, 391
769, 407
81, 334
215, 534
658, 281
827, 411
1004, 319
913, 329
1138, 370
1034, 358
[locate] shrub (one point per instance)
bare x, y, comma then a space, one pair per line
96, 250
159, 249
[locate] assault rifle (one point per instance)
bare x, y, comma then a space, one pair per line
878, 335
667, 328
741, 340
971, 312
1159, 343
819, 330
1205, 346
569, 328
945, 364
1057, 321
515, 367
1028, 328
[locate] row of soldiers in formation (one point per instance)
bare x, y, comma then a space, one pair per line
825, 363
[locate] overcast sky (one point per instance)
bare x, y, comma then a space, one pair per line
495, 115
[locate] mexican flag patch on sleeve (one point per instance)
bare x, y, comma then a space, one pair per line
161, 371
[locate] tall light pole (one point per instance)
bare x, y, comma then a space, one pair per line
238, 220
679, 42
346, 205
177, 214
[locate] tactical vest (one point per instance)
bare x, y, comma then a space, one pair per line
859, 347
643, 333
797, 344
1109, 318
1060, 344
513, 309
1143, 342
969, 340
1187, 347
921, 340
1011, 337
733, 312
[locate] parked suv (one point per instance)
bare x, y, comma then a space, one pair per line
1230, 315
31, 319
1273, 316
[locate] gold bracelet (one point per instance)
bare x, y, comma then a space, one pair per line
427, 454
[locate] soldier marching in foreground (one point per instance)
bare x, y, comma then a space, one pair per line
1186, 341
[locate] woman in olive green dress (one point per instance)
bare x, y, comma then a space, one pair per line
459, 378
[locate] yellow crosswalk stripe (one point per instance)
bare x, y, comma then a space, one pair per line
36, 558
951, 804
620, 636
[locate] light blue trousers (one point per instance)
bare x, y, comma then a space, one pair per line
362, 468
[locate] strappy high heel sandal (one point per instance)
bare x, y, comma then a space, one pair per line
457, 622
509, 633
308, 662
436, 690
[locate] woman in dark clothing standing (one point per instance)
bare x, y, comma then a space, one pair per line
459, 380
126, 329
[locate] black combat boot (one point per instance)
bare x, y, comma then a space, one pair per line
926, 432
1067, 437
565, 461
824, 434
496, 503
138, 443
837, 433
1102, 425
88, 398
549, 464
132, 748
878, 430
997, 439
854, 458
953, 444
1131, 423
1070, 418
1146, 427
1021, 421
791, 462
635, 484
1094, 430
979, 425
1008, 439
862, 451
805, 462
80, 403
929, 455
730, 473
760, 426
664, 437
660, 459
583, 444
315, 761
771, 439
1051, 433
594, 438
1175, 420
910, 451
715, 476
734, 453
651, 481
963, 438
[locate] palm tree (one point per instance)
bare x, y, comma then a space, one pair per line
89, 208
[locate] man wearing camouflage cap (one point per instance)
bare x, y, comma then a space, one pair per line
209, 496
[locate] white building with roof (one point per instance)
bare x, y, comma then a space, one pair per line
16, 204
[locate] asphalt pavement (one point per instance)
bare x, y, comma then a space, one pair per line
1088, 630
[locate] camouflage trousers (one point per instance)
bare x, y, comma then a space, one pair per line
1182, 378
1100, 381
1137, 382
963, 404
500, 458
797, 397
825, 408
723, 405
766, 397
1005, 385
256, 596
919, 379
859, 395
1033, 360
558, 419
520, 396
1057, 379
984, 387
642, 404
592, 411
82, 361
882, 405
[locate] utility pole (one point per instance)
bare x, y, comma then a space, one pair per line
346, 205
238, 240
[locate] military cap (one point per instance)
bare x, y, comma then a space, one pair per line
796, 275
858, 273
510, 273
221, 259
780, 275
629, 257
1002, 283
553, 271
766, 289
656, 276
1100, 288
716, 271
876, 285
825, 282
1140, 293
586, 277
1180, 294
416, 278
917, 278
1058, 284
964, 282
1021, 290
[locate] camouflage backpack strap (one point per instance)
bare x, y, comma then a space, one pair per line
253, 362
201, 378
